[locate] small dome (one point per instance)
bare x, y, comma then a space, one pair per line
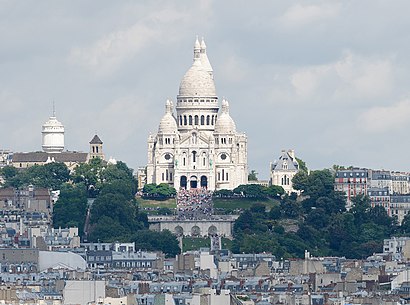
224, 123
168, 123
53, 122
197, 82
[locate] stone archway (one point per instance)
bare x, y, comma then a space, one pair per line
193, 183
212, 230
179, 231
195, 231
183, 182
204, 182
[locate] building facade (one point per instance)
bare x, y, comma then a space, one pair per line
353, 182
53, 149
283, 170
197, 145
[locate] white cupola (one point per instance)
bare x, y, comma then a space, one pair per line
225, 123
168, 123
53, 135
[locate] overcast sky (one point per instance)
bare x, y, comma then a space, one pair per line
329, 79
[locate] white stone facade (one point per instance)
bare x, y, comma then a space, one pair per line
198, 146
283, 170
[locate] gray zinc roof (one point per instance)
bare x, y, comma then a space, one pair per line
41, 157
292, 164
96, 140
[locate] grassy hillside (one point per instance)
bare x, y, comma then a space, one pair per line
224, 206
146, 203
221, 205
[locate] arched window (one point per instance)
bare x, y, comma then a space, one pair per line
194, 156
185, 120
180, 120
190, 120
212, 122
196, 119
202, 120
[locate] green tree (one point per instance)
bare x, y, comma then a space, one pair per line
13, 178
318, 183
275, 191
107, 229
52, 176
318, 218
89, 174
360, 209
290, 208
253, 176
255, 191
223, 193
70, 208
163, 241
118, 208
300, 181
244, 223
302, 165
161, 191
8, 172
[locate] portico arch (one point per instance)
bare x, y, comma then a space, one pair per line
195, 231
204, 182
183, 182
179, 231
212, 230
193, 182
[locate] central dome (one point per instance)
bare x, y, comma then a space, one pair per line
197, 82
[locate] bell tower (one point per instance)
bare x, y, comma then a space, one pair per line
96, 148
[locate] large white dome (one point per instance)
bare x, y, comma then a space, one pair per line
225, 123
197, 82
168, 123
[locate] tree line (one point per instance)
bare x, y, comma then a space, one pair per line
316, 221
99, 197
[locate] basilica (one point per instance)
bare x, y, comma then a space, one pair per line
197, 145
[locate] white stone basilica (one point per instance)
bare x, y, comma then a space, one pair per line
199, 146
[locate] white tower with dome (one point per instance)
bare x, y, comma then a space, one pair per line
53, 135
197, 147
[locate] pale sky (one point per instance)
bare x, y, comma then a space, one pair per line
326, 78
